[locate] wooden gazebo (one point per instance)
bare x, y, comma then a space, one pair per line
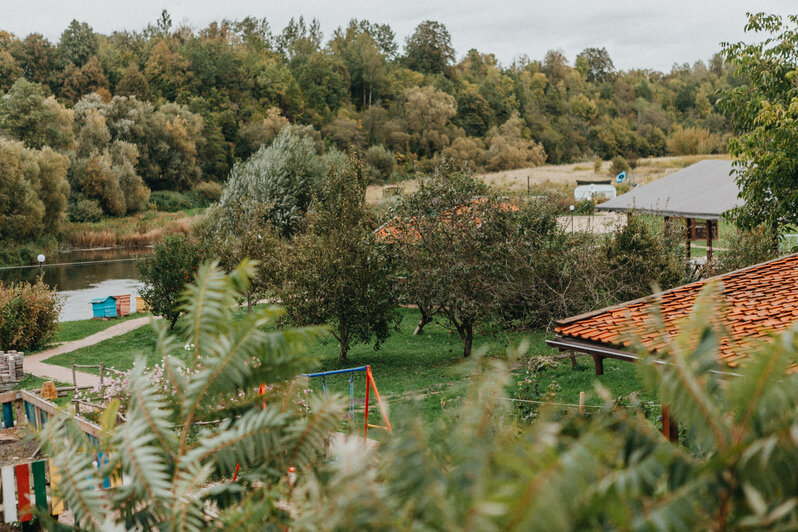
700, 194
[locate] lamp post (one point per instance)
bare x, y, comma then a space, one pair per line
41, 258
571, 208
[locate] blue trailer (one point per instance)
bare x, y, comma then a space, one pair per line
104, 307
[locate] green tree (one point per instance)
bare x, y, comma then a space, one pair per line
173, 263
427, 112
282, 177
38, 58
27, 115
640, 257
335, 273
429, 49
595, 64
168, 469
449, 237
133, 83
33, 191
78, 43
764, 115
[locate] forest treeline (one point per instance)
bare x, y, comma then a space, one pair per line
93, 124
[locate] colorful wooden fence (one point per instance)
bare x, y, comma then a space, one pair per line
26, 485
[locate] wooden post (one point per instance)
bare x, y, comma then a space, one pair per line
581, 403
670, 428
74, 376
689, 222
573, 358
102, 373
598, 361
710, 223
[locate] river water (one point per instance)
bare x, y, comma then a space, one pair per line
80, 276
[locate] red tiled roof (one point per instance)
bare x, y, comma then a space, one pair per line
756, 301
394, 229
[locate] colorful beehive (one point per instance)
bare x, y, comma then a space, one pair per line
141, 305
104, 307
123, 305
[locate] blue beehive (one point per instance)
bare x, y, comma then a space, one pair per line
104, 307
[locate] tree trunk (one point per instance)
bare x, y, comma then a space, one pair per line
249, 302
425, 319
344, 341
174, 320
467, 334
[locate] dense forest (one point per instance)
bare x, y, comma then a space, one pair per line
94, 124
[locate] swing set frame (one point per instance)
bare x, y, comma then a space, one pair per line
370, 385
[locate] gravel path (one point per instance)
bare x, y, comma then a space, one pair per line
35, 365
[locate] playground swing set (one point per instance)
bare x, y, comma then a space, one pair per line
370, 385
350, 418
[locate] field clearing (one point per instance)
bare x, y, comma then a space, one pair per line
562, 176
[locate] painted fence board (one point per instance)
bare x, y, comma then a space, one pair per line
8, 415
23, 492
39, 484
9, 494
56, 502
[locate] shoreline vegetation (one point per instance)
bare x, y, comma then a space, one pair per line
136, 231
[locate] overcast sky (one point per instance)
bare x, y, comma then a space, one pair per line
637, 33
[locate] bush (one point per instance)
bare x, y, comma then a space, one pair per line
693, 140
639, 256
28, 315
746, 248
619, 164
171, 201
85, 210
208, 192
381, 163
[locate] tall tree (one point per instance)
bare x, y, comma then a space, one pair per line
429, 49
336, 273
78, 43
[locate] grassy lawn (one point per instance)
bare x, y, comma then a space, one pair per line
75, 330
419, 374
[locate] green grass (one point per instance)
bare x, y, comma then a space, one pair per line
423, 374
76, 330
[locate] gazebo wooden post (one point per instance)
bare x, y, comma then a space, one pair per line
670, 428
710, 223
689, 223
598, 361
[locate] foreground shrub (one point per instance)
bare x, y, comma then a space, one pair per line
177, 472
28, 315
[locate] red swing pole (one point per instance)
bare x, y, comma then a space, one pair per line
261, 391
366, 417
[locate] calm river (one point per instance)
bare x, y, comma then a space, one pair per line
80, 276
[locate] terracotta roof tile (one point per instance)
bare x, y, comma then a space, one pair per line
756, 301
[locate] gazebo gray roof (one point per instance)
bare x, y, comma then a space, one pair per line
704, 190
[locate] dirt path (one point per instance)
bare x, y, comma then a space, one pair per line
35, 365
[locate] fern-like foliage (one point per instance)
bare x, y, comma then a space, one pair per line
737, 467
178, 474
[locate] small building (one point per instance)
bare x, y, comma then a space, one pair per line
104, 307
594, 190
700, 194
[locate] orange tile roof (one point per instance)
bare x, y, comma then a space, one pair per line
394, 229
757, 300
